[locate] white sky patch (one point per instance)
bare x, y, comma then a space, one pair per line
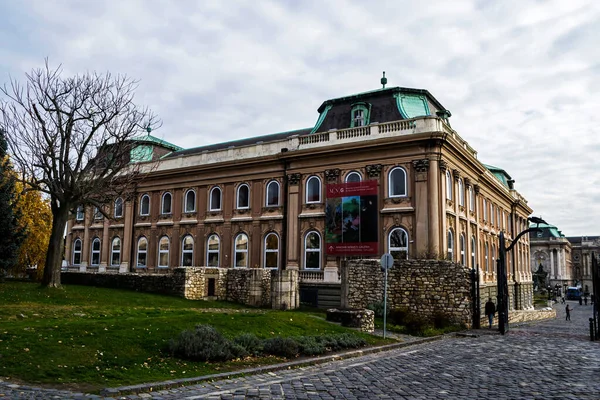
521, 78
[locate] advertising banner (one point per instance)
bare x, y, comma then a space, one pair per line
351, 219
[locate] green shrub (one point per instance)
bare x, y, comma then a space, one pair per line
205, 343
310, 346
398, 315
283, 347
348, 341
250, 343
377, 308
416, 324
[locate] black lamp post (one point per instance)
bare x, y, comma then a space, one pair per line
502, 276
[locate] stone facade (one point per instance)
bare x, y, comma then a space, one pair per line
425, 287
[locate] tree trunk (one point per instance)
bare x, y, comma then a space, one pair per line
60, 215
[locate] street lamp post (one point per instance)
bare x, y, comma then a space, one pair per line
503, 297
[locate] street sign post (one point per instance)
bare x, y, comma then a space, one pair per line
387, 262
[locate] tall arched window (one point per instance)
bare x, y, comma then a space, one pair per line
463, 250
118, 207
95, 261
397, 182
187, 251
448, 185
398, 244
190, 201
77, 252
166, 203
215, 199
97, 214
163, 252
473, 253
271, 256
273, 194
241, 251
79, 215
115, 252
461, 193
487, 257
493, 266
471, 199
243, 196
450, 245
353, 177
145, 205
312, 250
313, 189
485, 213
142, 252
212, 251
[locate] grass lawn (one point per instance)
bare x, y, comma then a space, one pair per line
88, 338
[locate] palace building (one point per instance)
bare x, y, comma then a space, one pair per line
260, 202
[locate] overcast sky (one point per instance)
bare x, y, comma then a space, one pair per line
521, 78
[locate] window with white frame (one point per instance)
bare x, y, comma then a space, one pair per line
271, 256
95, 260
79, 215
77, 252
448, 185
165, 207
241, 251
450, 245
215, 199
471, 199
190, 201
473, 253
118, 208
313, 189
115, 252
461, 193
163, 252
493, 258
145, 205
463, 250
142, 252
487, 257
397, 182
485, 216
398, 244
187, 251
492, 213
358, 117
98, 214
353, 177
213, 250
272, 194
243, 196
312, 250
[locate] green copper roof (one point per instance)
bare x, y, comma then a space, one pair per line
157, 141
412, 105
499, 173
547, 230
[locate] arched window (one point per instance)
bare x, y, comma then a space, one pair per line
97, 214
313, 190
77, 252
273, 194
165, 207
187, 251
212, 251
463, 255
471, 199
271, 257
448, 185
241, 251
450, 245
398, 244
163, 252
492, 213
115, 252
353, 177
142, 251
118, 207
79, 214
485, 210
215, 199
397, 182
473, 253
95, 252
493, 259
487, 257
190, 201
243, 196
461, 193
145, 205
312, 250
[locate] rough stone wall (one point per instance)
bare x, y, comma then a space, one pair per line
249, 286
163, 284
425, 287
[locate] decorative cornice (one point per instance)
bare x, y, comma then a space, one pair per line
373, 170
421, 165
443, 165
294, 179
477, 188
332, 174
456, 174
468, 182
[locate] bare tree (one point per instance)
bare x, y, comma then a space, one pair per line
72, 138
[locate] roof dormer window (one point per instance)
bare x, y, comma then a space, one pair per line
360, 115
359, 118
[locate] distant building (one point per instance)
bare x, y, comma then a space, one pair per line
260, 202
583, 248
552, 251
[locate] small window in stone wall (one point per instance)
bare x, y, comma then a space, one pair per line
211, 287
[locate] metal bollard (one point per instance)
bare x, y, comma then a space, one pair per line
592, 329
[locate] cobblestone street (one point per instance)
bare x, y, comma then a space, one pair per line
553, 359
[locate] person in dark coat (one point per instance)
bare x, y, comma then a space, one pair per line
490, 310
568, 310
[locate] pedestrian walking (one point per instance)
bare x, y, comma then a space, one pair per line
568, 309
490, 310
585, 300
580, 301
